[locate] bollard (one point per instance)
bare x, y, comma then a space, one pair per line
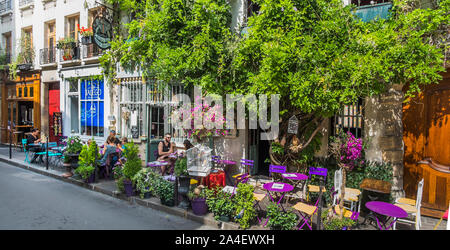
46, 155
10, 144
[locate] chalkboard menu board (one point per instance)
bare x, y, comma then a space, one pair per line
134, 132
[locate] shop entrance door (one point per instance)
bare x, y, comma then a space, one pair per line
55, 129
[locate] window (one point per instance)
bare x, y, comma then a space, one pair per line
92, 107
132, 107
50, 40
350, 118
71, 26
74, 114
28, 36
368, 2
147, 106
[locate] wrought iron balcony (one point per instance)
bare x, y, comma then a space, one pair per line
5, 6
47, 55
69, 54
370, 12
25, 2
91, 50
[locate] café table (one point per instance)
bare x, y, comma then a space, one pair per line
295, 178
388, 210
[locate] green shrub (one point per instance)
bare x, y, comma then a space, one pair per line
220, 203
280, 220
181, 167
87, 160
164, 189
133, 163
244, 209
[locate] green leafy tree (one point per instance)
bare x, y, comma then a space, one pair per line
318, 57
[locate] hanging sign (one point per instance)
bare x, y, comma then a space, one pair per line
102, 29
293, 125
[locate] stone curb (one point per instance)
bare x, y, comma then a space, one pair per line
153, 203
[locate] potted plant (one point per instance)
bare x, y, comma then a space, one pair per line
165, 191
88, 161
24, 59
197, 196
143, 181
86, 35
66, 43
220, 204
131, 167
245, 211
71, 153
183, 180
279, 219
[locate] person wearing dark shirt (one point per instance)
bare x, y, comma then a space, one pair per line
165, 148
33, 138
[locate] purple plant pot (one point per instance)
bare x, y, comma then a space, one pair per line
199, 206
90, 179
128, 186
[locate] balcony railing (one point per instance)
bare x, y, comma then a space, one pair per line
69, 54
47, 55
5, 6
25, 2
91, 50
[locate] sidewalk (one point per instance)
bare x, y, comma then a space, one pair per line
109, 188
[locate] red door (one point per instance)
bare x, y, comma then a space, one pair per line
53, 107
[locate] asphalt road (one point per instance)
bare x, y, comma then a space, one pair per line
32, 201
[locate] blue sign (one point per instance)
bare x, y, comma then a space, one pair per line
92, 107
92, 90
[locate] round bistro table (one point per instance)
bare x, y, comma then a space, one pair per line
387, 209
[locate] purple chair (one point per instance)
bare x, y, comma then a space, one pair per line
277, 169
306, 211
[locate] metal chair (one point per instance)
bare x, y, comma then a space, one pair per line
51, 154
352, 195
276, 169
412, 207
306, 211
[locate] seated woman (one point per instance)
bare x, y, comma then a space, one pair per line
109, 148
187, 145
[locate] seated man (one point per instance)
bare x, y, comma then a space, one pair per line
165, 148
33, 138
